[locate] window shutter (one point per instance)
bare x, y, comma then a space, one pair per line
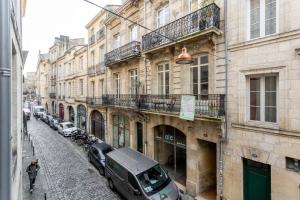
254, 19
270, 17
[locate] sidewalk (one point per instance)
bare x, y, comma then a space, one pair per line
41, 186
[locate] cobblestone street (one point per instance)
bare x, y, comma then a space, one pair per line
65, 172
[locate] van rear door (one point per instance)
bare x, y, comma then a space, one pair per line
119, 177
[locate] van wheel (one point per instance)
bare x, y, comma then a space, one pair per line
111, 184
101, 171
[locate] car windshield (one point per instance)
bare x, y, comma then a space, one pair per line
69, 125
153, 180
40, 109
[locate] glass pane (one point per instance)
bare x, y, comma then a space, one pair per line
195, 62
194, 74
127, 138
115, 136
270, 26
180, 138
195, 89
270, 114
204, 89
169, 134
270, 99
160, 132
204, 60
254, 113
255, 19
166, 66
255, 98
254, 84
204, 74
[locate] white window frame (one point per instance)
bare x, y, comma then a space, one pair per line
199, 66
166, 10
133, 33
262, 20
132, 76
262, 121
117, 84
81, 87
81, 62
164, 71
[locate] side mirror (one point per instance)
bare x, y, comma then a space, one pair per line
136, 192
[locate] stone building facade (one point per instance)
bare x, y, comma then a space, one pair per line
42, 79
127, 89
262, 153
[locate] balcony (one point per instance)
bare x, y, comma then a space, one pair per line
100, 68
91, 70
100, 34
201, 22
212, 105
92, 40
52, 95
130, 50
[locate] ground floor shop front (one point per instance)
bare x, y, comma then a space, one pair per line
187, 150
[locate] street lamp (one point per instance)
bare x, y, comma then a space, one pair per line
183, 58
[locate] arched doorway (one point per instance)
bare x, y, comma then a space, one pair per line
170, 151
98, 125
52, 106
71, 114
81, 117
61, 112
121, 136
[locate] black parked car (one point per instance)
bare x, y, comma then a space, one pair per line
97, 154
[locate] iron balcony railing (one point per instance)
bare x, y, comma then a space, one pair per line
100, 34
212, 105
100, 68
91, 70
92, 40
52, 95
130, 50
206, 17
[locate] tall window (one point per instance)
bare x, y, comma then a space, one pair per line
199, 75
70, 69
81, 62
117, 41
133, 80
121, 135
101, 87
101, 53
81, 86
163, 78
92, 58
64, 93
133, 33
163, 16
93, 88
70, 90
263, 18
117, 83
263, 98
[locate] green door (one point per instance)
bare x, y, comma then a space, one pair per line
257, 181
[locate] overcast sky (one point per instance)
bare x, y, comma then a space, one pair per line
46, 19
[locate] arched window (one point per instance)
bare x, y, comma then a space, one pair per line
121, 136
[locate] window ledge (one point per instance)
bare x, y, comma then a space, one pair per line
260, 124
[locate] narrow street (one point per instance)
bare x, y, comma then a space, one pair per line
65, 172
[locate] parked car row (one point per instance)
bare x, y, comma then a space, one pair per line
133, 175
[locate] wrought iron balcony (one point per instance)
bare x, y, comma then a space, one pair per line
100, 34
130, 50
52, 95
91, 70
193, 23
92, 40
100, 68
212, 105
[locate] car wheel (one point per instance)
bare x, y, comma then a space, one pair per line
101, 171
111, 184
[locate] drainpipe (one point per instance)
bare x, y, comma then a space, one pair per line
224, 138
5, 99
